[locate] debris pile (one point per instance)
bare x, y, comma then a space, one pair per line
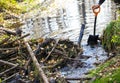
35, 60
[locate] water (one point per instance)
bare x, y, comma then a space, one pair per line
70, 29
97, 54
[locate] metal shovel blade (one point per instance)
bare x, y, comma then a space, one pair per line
93, 40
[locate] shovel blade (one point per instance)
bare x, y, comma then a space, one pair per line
92, 40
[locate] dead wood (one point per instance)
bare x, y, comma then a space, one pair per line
4, 40
6, 62
43, 44
41, 72
19, 38
9, 32
80, 78
8, 70
9, 77
26, 66
9, 54
54, 65
51, 50
14, 48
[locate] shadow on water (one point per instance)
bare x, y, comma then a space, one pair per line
68, 26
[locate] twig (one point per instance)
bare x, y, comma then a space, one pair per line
9, 77
11, 53
53, 66
17, 39
5, 40
6, 62
8, 70
81, 78
8, 31
14, 48
51, 50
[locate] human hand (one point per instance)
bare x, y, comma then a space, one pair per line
95, 6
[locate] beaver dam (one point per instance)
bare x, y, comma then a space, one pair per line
17, 64
53, 55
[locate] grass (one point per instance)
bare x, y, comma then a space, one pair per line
12, 9
108, 72
113, 77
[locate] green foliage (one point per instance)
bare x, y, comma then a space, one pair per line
2, 37
116, 36
112, 35
108, 72
0, 80
101, 68
108, 33
114, 77
14, 6
1, 18
10, 5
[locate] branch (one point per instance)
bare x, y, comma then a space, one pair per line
51, 50
38, 66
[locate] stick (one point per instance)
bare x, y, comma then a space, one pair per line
38, 66
5, 40
51, 50
14, 48
9, 77
8, 31
11, 53
81, 78
6, 62
8, 70
53, 66
81, 34
18, 39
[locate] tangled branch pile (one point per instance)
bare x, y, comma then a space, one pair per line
17, 65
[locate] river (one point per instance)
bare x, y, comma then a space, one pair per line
71, 27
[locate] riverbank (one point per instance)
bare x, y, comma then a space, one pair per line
110, 42
109, 71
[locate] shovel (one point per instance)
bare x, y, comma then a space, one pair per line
93, 39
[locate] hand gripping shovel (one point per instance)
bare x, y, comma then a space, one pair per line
93, 39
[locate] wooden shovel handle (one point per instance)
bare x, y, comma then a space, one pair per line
96, 11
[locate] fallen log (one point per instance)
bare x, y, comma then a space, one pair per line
41, 72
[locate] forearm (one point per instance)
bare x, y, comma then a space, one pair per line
101, 1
